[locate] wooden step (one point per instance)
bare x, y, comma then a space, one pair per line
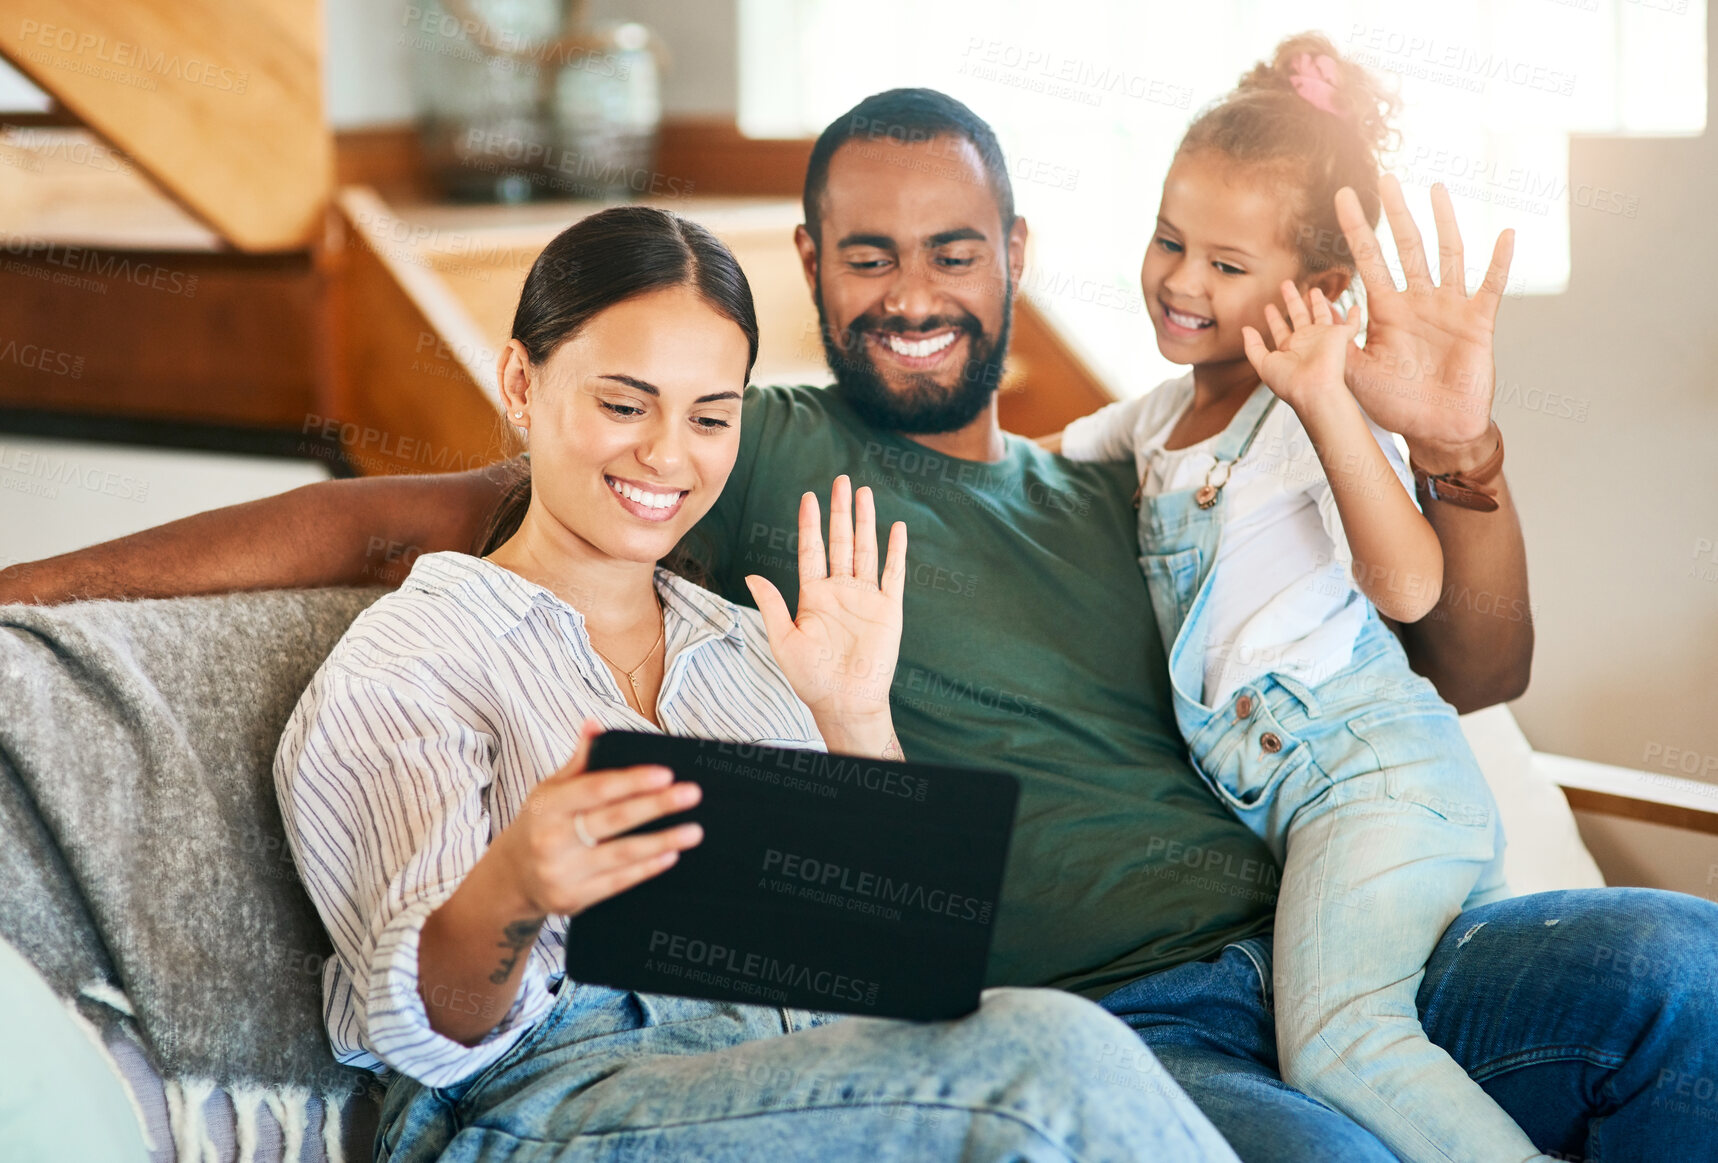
65, 185
219, 101
120, 304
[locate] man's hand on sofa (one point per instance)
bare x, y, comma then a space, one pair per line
347, 532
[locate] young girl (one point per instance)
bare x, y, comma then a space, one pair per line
1277, 523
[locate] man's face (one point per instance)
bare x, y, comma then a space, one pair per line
913, 278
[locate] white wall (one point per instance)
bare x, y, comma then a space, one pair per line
61, 495
19, 95
1616, 505
367, 69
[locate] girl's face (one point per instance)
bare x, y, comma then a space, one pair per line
635, 422
1217, 258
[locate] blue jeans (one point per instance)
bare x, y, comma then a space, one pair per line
1363, 787
1033, 1075
1366, 792
1590, 1016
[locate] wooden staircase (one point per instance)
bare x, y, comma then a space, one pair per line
162, 317
163, 228
220, 103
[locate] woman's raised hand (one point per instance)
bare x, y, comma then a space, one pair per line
565, 850
840, 652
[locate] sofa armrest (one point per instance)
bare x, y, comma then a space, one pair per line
1636, 795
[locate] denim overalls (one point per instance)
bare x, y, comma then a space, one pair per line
1365, 790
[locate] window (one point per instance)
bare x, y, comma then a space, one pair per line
1090, 98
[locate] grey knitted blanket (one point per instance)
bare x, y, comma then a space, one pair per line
141, 851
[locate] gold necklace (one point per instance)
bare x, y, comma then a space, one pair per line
632, 675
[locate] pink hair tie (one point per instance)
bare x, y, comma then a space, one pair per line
1314, 78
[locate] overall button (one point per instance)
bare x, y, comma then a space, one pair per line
1270, 742
1243, 706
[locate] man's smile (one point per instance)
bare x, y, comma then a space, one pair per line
915, 352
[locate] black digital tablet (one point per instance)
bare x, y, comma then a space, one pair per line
824, 882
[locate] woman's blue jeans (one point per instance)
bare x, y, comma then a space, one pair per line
1033, 1075
1590, 1016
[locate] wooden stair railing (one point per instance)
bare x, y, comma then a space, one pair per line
160, 229
219, 101
159, 321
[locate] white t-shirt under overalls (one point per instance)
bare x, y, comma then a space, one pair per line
1282, 599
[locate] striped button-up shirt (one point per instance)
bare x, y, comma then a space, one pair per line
417, 743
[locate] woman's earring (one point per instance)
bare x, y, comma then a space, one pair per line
518, 415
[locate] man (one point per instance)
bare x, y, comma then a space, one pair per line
1031, 646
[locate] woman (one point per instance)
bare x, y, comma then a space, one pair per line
445, 836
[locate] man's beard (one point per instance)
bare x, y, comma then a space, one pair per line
923, 406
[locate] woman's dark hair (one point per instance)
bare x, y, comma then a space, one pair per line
597, 263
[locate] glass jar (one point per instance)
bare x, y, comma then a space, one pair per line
608, 108
519, 99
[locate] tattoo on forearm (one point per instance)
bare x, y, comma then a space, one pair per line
892, 749
515, 938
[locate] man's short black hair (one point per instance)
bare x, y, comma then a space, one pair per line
905, 116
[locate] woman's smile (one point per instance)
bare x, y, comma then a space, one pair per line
646, 502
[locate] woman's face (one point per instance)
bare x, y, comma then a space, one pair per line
635, 422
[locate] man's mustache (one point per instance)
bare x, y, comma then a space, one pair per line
900, 325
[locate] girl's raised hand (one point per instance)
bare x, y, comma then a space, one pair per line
839, 653
1309, 357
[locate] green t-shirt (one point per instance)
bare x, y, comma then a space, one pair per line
1029, 646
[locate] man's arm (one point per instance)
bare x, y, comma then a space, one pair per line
1477, 643
345, 532
1427, 372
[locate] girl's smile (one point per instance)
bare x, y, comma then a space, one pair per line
1180, 323
1220, 254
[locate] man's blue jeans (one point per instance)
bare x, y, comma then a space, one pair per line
1590, 1016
